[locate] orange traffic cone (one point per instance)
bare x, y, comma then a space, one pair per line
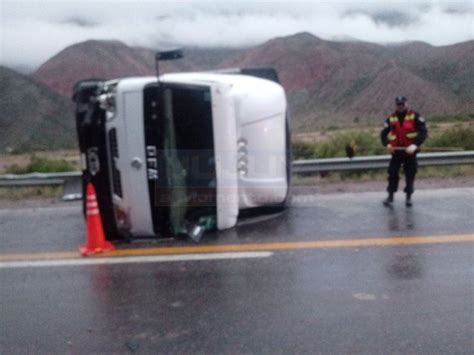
96, 242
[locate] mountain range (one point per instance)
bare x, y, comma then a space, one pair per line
327, 82
114, 59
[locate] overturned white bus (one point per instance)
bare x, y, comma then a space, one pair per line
184, 154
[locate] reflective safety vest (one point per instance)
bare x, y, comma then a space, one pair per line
402, 135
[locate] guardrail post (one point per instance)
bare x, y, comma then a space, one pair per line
72, 189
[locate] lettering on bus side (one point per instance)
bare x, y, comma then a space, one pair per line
151, 162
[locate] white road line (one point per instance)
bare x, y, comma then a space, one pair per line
133, 259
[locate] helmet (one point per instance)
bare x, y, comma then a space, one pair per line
400, 100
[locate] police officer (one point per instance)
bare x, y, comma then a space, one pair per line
403, 133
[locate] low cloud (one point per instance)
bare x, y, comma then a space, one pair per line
391, 18
79, 21
31, 32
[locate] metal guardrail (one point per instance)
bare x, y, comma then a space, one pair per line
36, 179
379, 162
72, 180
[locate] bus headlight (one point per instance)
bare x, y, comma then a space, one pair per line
107, 103
121, 218
242, 171
242, 160
241, 143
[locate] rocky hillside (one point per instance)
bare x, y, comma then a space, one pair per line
114, 59
357, 81
32, 115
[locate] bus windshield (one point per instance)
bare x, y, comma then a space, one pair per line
188, 147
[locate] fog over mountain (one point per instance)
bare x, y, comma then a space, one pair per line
33, 31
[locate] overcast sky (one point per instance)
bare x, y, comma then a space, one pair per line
33, 31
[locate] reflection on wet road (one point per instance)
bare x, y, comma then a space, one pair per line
350, 299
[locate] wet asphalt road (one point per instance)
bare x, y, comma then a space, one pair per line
383, 299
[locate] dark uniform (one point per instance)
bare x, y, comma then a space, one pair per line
404, 128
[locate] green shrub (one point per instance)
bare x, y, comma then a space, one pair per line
458, 137
302, 150
451, 118
368, 143
41, 165
364, 143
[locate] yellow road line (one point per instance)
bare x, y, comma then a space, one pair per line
39, 256
193, 249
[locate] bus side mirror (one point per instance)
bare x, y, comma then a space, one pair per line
166, 55
169, 55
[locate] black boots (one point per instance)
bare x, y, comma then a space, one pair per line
389, 200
